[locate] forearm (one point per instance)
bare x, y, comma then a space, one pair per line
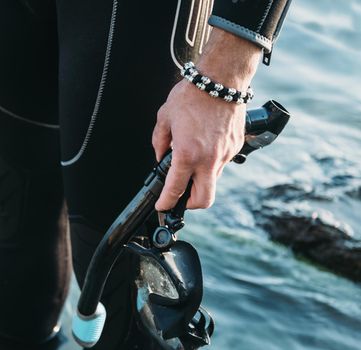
258, 21
229, 59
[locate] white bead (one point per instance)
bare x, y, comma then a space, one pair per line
189, 65
183, 71
206, 80
228, 98
190, 78
214, 93
201, 86
243, 94
240, 101
194, 73
218, 87
232, 91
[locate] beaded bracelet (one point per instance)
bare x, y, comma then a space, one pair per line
189, 72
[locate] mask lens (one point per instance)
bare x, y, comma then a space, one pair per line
154, 279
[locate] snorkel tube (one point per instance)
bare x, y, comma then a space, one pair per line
263, 125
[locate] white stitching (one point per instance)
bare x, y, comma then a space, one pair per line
101, 88
270, 2
13, 115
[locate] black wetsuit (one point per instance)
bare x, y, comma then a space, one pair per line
97, 71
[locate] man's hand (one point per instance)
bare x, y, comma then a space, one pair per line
204, 132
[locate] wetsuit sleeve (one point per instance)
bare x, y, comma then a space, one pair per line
259, 21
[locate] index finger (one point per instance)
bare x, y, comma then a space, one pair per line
175, 184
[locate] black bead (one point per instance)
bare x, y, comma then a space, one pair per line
197, 79
211, 87
236, 96
223, 92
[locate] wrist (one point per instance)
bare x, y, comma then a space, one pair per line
215, 89
229, 59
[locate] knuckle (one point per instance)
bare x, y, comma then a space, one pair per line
208, 202
203, 204
155, 138
174, 192
205, 201
209, 155
161, 114
185, 156
228, 156
212, 158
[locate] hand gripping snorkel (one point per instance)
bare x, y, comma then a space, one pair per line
169, 284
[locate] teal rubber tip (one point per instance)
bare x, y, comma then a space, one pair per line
87, 330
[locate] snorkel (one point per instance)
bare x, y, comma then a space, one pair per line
169, 285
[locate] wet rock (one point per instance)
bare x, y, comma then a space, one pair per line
284, 212
325, 243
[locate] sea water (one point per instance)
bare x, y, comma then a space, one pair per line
260, 294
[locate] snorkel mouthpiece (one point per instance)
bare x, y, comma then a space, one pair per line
263, 125
88, 329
